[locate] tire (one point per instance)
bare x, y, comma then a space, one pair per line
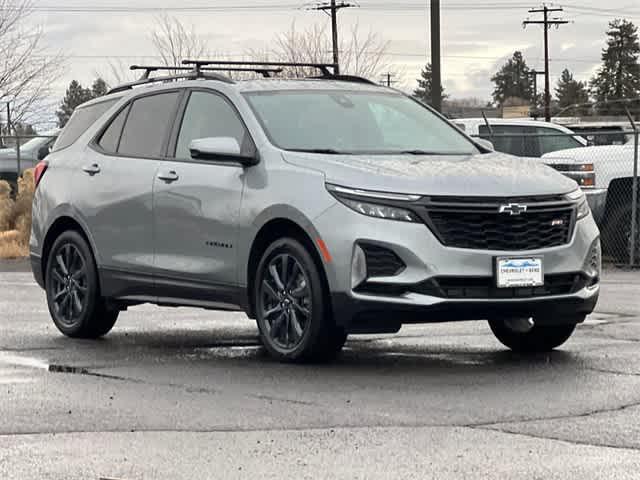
290, 302
73, 290
536, 340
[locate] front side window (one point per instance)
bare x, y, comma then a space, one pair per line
210, 115
506, 139
355, 122
81, 120
148, 125
552, 140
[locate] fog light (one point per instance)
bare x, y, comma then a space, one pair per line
358, 267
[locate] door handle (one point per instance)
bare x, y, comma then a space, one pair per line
91, 169
168, 177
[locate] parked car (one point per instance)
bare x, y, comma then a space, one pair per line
601, 133
371, 213
610, 195
31, 153
521, 137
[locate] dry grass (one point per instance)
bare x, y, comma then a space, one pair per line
15, 217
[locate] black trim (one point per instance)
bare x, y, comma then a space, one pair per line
36, 268
369, 316
134, 287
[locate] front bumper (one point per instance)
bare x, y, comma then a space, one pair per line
425, 259
597, 199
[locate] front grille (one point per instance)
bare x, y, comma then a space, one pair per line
381, 262
462, 288
477, 223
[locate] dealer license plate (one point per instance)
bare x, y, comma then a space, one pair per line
519, 272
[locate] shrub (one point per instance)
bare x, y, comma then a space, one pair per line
15, 217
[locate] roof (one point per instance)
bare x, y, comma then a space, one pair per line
273, 84
509, 121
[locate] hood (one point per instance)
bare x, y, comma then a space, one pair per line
491, 175
588, 154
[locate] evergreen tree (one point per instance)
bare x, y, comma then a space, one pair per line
571, 92
619, 76
99, 88
76, 95
425, 86
513, 80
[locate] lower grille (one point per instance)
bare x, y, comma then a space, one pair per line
485, 288
381, 262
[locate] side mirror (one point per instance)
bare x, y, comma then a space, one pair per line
43, 152
220, 149
485, 143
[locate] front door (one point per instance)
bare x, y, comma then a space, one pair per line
197, 206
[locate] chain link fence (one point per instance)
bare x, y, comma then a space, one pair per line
20, 153
608, 174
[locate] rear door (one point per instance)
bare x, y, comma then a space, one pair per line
116, 191
197, 205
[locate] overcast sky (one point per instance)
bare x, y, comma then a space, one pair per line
477, 36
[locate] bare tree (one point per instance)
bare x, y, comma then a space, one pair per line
175, 42
27, 69
362, 53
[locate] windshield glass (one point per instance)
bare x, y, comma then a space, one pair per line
355, 123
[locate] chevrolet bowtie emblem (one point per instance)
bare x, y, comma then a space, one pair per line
513, 209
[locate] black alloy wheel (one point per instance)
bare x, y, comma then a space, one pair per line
291, 305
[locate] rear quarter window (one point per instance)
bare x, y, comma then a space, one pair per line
80, 122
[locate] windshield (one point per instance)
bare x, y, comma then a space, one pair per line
355, 123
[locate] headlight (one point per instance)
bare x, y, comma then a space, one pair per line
580, 198
360, 201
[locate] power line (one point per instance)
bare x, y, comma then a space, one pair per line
546, 22
387, 79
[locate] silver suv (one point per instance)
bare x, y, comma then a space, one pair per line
321, 207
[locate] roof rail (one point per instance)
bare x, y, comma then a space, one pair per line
191, 74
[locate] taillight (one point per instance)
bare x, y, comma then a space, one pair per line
41, 167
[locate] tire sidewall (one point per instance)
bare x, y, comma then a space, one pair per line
81, 324
300, 253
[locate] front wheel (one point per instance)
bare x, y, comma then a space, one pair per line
522, 335
289, 296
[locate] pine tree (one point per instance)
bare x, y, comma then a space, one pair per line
571, 92
513, 80
99, 88
77, 95
619, 76
425, 86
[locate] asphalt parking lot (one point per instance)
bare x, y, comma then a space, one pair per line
189, 394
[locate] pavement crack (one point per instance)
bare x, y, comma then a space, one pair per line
557, 439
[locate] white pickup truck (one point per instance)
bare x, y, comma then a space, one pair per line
608, 171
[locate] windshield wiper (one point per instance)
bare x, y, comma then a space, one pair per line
429, 152
326, 151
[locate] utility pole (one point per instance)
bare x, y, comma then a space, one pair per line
535, 74
332, 8
388, 79
546, 23
436, 69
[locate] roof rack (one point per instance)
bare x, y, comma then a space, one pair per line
328, 70
265, 72
205, 69
323, 67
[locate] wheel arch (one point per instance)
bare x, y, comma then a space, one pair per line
272, 230
60, 225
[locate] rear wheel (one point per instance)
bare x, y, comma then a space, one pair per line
289, 295
73, 293
522, 335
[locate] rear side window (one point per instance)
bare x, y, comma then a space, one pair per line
80, 122
147, 125
111, 136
